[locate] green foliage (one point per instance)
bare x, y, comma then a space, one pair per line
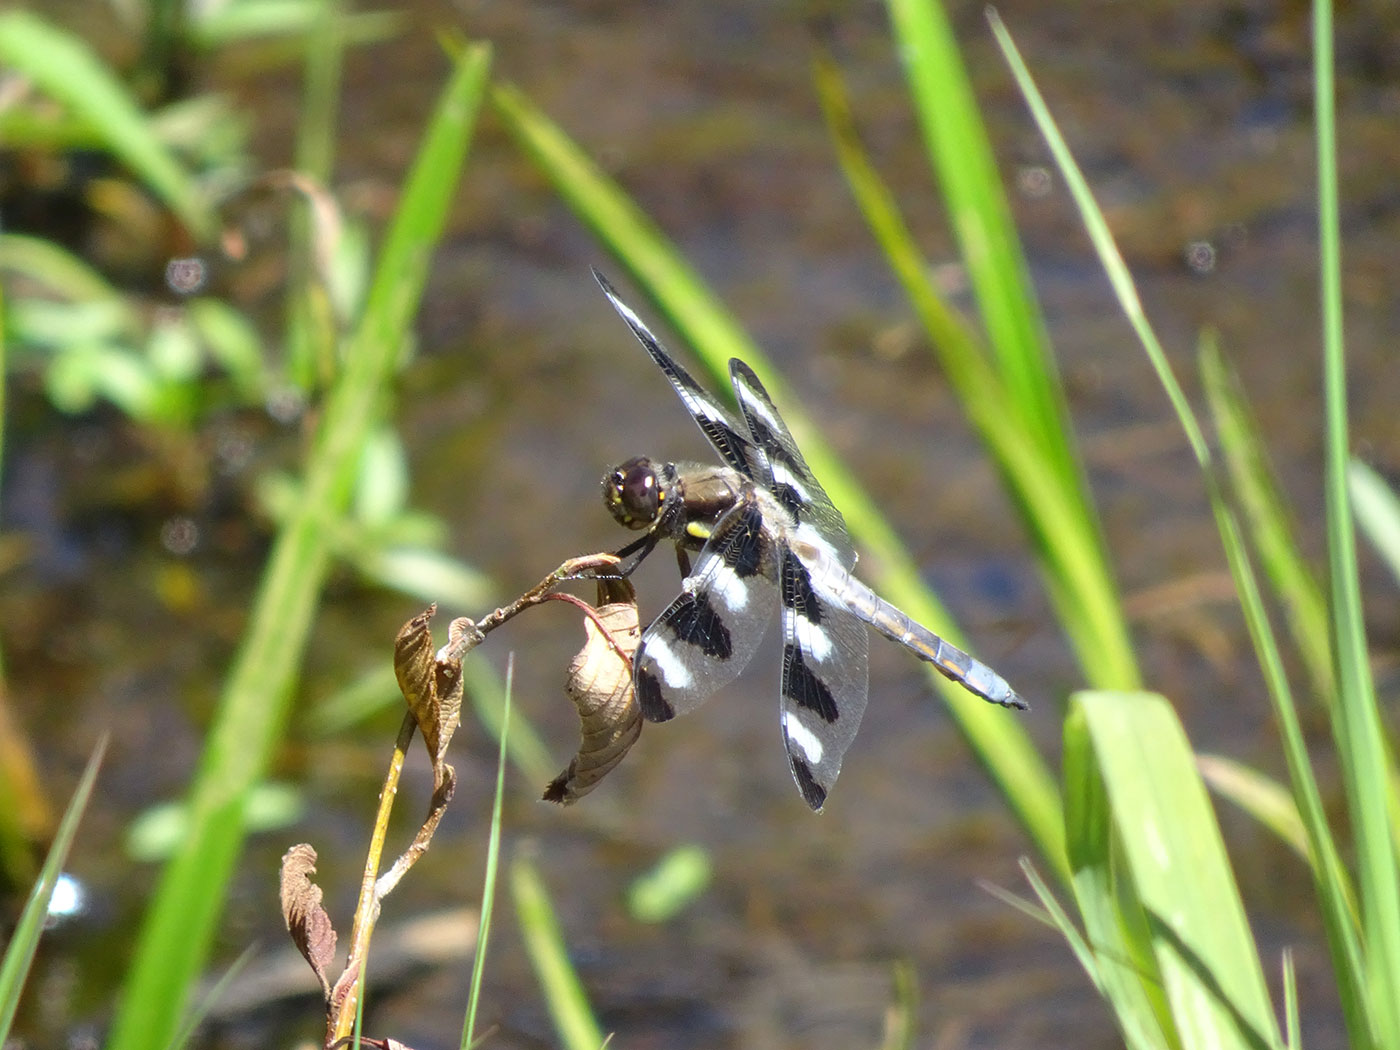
89, 340
1168, 941
1363, 952
574, 1022
66, 69
180, 924
1164, 936
672, 884
1021, 417
24, 940
1156, 922
488, 887
1368, 768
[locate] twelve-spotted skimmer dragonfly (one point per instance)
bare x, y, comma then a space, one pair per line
765, 530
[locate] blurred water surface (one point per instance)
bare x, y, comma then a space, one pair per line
1193, 126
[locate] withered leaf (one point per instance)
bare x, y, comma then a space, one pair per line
600, 684
413, 667
432, 682
306, 920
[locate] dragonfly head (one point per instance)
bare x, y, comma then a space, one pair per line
635, 493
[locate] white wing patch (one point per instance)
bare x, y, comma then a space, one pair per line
673, 669
628, 314
783, 476
811, 638
725, 584
803, 738
760, 408
713, 413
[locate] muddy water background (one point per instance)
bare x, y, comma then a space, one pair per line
1192, 126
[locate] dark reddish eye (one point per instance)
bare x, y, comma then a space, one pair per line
633, 493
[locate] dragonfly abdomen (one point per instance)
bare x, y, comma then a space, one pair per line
839, 586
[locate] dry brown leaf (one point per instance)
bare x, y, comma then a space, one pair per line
600, 684
431, 682
413, 667
306, 920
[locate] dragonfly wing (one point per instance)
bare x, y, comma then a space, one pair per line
710, 632
791, 480
826, 656
714, 420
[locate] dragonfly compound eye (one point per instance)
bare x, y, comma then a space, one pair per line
633, 493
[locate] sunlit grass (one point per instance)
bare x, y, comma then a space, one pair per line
1164, 935
180, 924
23, 941
68, 70
1368, 981
488, 887
574, 1021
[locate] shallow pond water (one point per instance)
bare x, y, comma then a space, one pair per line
1191, 124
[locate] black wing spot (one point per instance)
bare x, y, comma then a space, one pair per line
741, 547
696, 623
812, 792
733, 446
798, 594
653, 704
788, 497
804, 688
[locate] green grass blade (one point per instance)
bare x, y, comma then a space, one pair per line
309, 327
1377, 513
1336, 893
568, 1003
958, 150
65, 68
401, 269
629, 234
1174, 856
1331, 877
1001, 744
1361, 743
1259, 795
179, 927
1292, 1024
24, 940
1052, 913
493, 856
210, 997
901, 1015
58, 269
1123, 966
1054, 506
528, 752
1270, 525
1097, 227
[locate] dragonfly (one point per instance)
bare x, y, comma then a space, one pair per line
766, 535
